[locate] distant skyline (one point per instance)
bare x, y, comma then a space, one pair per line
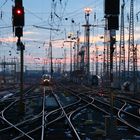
38, 13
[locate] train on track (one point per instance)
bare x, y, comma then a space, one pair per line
46, 80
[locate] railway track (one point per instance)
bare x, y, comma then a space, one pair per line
69, 117
130, 118
16, 127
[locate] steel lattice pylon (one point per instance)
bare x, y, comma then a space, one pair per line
122, 47
132, 50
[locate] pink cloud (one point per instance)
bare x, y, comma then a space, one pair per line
8, 40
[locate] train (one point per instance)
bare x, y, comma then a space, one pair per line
46, 80
96, 80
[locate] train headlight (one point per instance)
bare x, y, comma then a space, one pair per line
46, 80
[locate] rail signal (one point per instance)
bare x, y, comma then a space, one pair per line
18, 16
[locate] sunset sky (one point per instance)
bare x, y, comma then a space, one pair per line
38, 13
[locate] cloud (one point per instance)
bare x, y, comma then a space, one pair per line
8, 40
30, 33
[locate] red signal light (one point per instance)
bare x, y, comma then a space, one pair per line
18, 16
19, 11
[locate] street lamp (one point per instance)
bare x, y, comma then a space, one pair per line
87, 10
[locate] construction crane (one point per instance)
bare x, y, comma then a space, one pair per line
122, 47
132, 51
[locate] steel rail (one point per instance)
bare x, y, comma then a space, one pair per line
128, 113
71, 125
43, 115
41, 126
109, 113
128, 124
18, 124
14, 125
124, 121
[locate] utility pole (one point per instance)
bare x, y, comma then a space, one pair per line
18, 23
93, 62
4, 67
50, 45
112, 48
78, 43
116, 61
112, 17
74, 57
87, 40
97, 63
21, 47
64, 64
70, 57
82, 54
70, 41
106, 58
